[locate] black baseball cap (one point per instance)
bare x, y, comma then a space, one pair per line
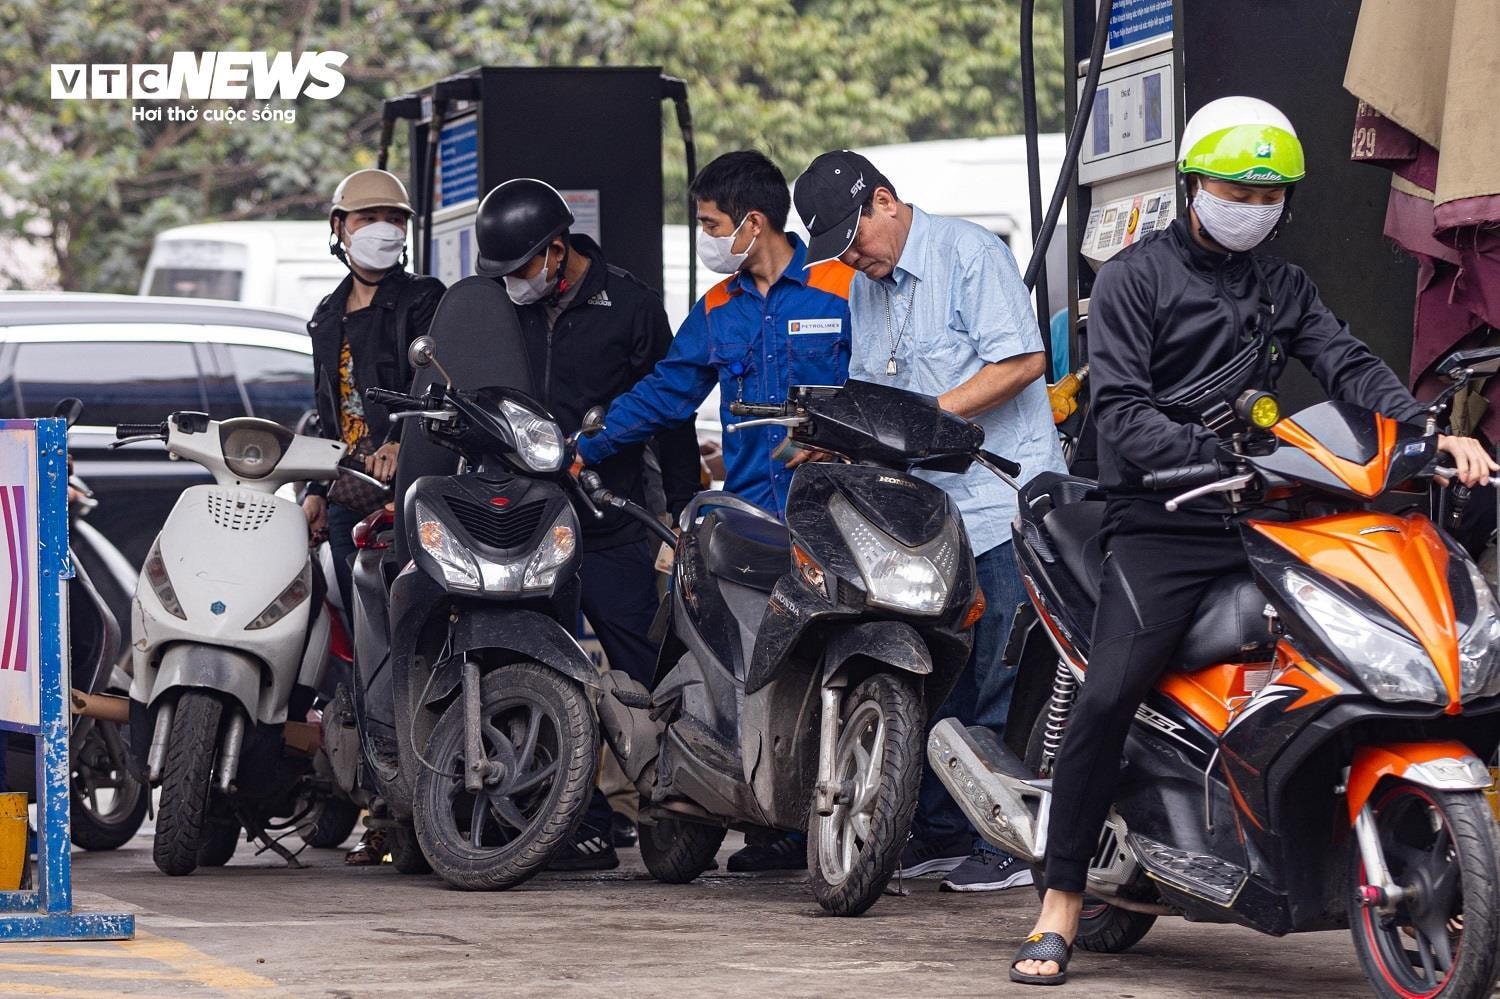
829, 195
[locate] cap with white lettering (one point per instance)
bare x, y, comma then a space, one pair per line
828, 196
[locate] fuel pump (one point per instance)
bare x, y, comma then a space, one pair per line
1157, 63
594, 133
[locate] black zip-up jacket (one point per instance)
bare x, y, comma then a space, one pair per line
404, 304
610, 336
1166, 311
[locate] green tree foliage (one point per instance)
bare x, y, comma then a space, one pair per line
90, 185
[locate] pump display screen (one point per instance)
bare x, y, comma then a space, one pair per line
1151, 107
1100, 121
1130, 122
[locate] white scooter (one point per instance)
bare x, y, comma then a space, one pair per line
225, 642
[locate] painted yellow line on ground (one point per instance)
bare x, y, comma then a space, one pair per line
193, 963
18, 968
62, 992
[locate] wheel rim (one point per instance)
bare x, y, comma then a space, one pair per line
1417, 947
857, 764
520, 738
103, 784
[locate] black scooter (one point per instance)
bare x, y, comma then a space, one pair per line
471, 725
793, 689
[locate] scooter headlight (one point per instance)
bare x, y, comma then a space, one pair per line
296, 591
1479, 647
538, 571
443, 547
915, 580
539, 441
1391, 666
161, 583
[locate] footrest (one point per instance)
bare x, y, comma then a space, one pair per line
1198, 874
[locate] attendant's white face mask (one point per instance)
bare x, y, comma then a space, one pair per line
717, 252
1235, 226
377, 246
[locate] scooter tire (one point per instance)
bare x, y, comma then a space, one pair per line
1102, 928
874, 861
186, 780
676, 852
92, 829
569, 753
220, 840
406, 853
1385, 943
328, 823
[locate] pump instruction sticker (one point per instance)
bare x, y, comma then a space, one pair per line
1114, 225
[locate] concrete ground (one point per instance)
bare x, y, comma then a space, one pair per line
256, 928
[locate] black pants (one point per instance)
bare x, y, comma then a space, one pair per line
1155, 568
619, 599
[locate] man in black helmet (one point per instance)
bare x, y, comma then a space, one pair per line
592, 331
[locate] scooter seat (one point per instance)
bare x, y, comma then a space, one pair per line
1230, 625
745, 549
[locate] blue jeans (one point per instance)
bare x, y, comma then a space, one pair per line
341, 524
983, 691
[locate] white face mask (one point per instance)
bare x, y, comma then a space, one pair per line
717, 252
377, 246
1235, 226
525, 291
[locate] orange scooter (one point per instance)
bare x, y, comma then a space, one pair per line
1313, 760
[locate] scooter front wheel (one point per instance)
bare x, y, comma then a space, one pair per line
185, 784
541, 743
878, 762
1441, 939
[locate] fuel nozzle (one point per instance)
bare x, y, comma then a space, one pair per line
1063, 396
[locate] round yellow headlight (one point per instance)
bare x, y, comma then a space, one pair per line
1265, 411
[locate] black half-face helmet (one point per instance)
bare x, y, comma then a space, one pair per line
515, 221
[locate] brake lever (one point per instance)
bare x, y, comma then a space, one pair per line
1232, 484
370, 479
436, 415
769, 421
1449, 474
979, 457
135, 440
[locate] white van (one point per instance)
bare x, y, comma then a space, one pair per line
281, 265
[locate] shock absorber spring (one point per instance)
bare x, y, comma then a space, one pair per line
1059, 707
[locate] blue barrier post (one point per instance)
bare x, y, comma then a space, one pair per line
34, 674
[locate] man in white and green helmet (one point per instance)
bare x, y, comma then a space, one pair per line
1167, 317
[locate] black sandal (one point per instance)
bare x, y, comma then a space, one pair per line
1043, 947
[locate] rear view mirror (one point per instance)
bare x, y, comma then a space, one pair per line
1481, 361
421, 352
69, 409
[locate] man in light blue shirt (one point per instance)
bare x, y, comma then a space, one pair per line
939, 307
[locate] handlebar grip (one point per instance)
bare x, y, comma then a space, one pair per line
125, 430
1185, 477
755, 409
1011, 468
391, 400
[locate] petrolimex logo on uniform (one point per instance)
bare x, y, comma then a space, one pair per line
804, 326
206, 76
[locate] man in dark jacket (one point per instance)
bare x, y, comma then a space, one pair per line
1164, 314
360, 334
592, 331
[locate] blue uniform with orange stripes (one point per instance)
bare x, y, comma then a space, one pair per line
755, 347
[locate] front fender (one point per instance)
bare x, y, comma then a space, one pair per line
213, 667
516, 634
894, 643
1442, 766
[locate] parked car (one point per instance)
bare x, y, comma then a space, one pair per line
130, 359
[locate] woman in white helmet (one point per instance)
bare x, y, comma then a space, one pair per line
1170, 311
360, 333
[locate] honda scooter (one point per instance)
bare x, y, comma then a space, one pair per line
801, 660
471, 724
1312, 759
224, 641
